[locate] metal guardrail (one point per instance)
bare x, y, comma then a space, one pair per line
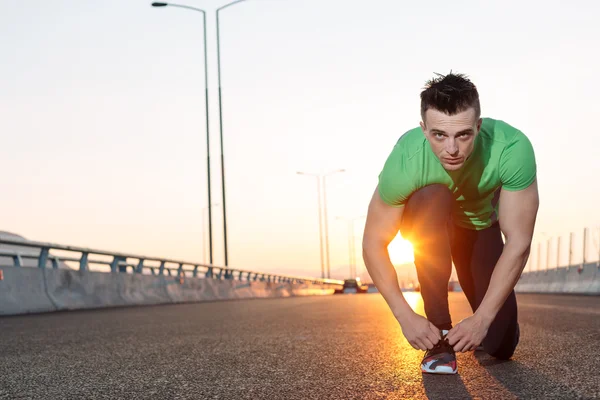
131, 263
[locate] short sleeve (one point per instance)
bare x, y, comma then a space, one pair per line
394, 187
517, 164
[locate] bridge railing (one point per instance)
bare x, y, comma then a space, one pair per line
137, 264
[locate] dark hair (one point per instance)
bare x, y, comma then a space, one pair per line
451, 94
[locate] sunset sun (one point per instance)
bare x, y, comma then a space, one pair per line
401, 251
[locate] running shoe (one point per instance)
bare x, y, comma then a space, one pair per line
441, 359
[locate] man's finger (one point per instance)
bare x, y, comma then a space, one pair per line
455, 338
453, 332
420, 345
461, 345
413, 343
427, 343
433, 338
435, 331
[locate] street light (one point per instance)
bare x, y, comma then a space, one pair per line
548, 243
351, 249
221, 128
203, 230
207, 125
539, 251
323, 178
320, 223
325, 219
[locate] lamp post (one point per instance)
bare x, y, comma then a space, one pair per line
322, 177
558, 253
351, 248
539, 251
584, 249
204, 239
320, 221
156, 4
325, 219
221, 130
570, 250
548, 242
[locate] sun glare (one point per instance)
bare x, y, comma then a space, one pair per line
401, 251
414, 300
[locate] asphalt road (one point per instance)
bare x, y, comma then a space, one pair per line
337, 347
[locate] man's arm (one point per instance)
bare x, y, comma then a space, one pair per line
383, 224
518, 212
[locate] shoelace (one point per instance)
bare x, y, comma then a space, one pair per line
442, 344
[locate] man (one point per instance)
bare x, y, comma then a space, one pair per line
452, 187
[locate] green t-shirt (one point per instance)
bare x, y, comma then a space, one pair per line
502, 157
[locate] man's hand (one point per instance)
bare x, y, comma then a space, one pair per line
468, 333
420, 333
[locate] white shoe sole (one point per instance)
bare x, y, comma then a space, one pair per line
442, 370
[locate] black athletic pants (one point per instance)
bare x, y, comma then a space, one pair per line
427, 223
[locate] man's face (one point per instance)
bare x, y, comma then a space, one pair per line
452, 137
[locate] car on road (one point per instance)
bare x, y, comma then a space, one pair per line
352, 286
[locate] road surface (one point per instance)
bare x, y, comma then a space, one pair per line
335, 347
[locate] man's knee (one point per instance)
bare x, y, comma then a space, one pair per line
505, 349
436, 192
426, 210
504, 353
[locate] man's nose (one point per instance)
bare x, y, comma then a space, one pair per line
451, 147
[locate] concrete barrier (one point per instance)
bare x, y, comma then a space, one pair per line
191, 290
74, 290
138, 289
559, 277
595, 286
32, 290
23, 290
311, 290
574, 280
256, 289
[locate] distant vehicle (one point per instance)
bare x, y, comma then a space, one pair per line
352, 286
454, 286
371, 288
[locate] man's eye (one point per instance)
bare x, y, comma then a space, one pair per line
439, 135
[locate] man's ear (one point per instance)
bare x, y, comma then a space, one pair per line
479, 122
422, 126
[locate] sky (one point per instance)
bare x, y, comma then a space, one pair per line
103, 129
